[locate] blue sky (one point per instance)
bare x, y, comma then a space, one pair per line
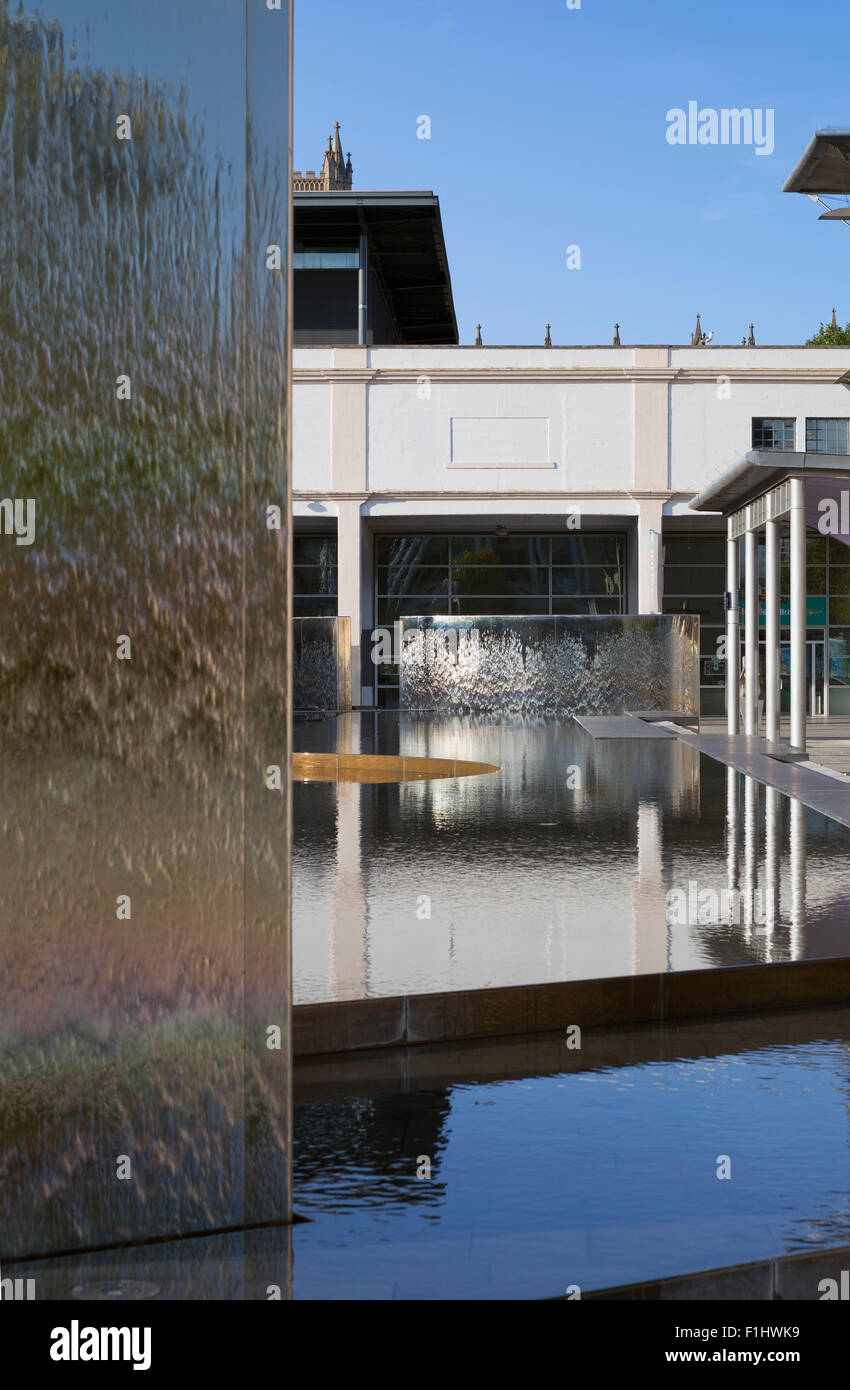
548, 130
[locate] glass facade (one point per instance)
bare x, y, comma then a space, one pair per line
486, 574
314, 577
694, 581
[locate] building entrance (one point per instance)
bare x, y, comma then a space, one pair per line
815, 676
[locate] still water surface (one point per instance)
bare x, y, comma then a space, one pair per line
597, 1177
575, 860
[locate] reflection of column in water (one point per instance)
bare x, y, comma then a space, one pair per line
732, 829
751, 845
770, 892
349, 944
649, 905
798, 877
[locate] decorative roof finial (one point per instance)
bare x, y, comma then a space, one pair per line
547, 341
696, 336
751, 341
616, 335
834, 323
478, 342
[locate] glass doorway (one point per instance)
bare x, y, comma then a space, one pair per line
815, 675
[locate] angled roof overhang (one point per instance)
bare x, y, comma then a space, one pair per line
825, 167
406, 249
758, 472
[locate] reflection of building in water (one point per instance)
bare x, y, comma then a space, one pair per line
371, 1146
649, 898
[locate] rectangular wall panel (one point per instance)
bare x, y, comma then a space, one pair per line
144, 664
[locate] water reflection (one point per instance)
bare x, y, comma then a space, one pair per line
550, 1166
578, 859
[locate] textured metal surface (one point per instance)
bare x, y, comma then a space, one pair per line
144, 925
321, 663
559, 665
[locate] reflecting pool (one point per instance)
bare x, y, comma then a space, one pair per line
594, 1168
574, 860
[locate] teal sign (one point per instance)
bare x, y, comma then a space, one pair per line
815, 611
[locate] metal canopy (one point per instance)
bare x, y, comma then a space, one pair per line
406, 249
825, 167
759, 471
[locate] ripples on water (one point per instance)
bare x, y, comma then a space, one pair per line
618, 1162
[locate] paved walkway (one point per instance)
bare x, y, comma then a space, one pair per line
818, 783
828, 741
822, 782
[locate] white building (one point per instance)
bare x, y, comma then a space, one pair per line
538, 480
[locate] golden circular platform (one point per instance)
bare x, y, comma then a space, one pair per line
375, 767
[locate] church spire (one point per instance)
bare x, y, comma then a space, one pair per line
336, 173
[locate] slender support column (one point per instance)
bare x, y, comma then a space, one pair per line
798, 877
751, 630
649, 557
798, 614
749, 878
771, 631
732, 833
770, 892
733, 660
363, 293
349, 542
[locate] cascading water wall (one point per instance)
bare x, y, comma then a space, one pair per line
559, 665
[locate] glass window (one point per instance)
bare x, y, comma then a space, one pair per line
325, 260
313, 607
709, 609
506, 550
472, 604
839, 610
826, 436
588, 549
694, 550
839, 579
598, 607
314, 579
314, 550
482, 576
773, 433
513, 575
412, 550
839, 553
410, 606
815, 550
839, 656
587, 579
413, 579
694, 579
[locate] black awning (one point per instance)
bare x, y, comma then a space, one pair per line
406, 250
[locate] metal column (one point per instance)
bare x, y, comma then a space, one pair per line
771, 631
751, 628
798, 614
733, 674
363, 293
